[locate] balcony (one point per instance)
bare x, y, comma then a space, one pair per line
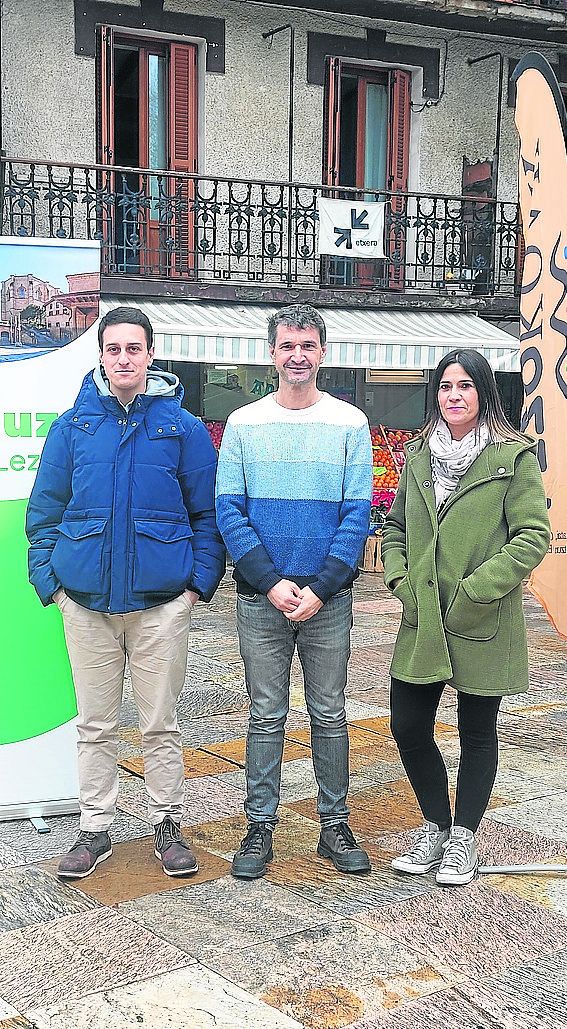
551, 5
174, 233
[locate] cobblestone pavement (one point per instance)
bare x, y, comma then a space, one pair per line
306, 946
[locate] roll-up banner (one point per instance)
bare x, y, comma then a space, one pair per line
50, 293
542, 125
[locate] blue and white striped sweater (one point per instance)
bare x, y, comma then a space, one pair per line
293, 493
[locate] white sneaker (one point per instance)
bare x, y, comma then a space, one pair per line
425, 852
460, 858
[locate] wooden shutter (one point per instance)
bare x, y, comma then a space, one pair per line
332, 121
105, 90
398, 168
399, 136
183, 148
105, 212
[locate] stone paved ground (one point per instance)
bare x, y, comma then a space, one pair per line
306, 946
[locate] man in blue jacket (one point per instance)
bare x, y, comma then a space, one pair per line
123, 539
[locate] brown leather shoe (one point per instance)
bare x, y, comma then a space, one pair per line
88, 850
174, 852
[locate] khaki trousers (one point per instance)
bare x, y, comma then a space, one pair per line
155, 642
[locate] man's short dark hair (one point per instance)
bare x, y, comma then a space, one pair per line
126, 316
296, 316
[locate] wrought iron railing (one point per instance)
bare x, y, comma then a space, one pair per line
170, 225
555, 5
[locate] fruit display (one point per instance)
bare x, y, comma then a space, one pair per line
382, 501
215, 430
385, 469
387, 462
396, 440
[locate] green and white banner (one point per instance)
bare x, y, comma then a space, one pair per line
50, 291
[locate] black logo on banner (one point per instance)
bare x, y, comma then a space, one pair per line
357, 221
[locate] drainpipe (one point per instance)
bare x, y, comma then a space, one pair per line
269, 35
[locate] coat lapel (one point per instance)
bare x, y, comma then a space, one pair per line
419, 465
493, 463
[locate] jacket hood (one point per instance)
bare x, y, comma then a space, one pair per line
158, 383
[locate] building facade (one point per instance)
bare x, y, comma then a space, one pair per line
19, 292
196, 138
101, 80
67, 315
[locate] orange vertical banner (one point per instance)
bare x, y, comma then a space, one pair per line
542, 126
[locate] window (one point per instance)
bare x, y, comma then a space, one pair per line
366, 144
362, 148
148, 120
479, 224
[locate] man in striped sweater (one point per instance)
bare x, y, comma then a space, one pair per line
293, 503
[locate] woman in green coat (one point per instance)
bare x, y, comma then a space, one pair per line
468, 524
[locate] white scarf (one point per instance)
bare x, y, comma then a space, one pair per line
450, 458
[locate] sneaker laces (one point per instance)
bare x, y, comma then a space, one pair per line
456, 854
84, 838
167, 833
253, 842
423, 840
344, 835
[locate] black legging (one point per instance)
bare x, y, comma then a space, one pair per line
413, 710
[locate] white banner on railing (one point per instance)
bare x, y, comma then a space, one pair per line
351, 228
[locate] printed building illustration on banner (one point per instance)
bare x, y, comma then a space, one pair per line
50, 297
47, 310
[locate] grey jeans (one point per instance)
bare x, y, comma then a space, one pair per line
267, 644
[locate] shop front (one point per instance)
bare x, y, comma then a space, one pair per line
378, 360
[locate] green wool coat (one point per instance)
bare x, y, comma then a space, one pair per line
461, 569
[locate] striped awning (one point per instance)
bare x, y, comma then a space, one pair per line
188, 330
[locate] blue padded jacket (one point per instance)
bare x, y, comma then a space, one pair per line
122, 509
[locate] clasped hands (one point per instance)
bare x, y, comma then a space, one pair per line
295, 603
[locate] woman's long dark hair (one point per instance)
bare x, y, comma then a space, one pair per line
490, 406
